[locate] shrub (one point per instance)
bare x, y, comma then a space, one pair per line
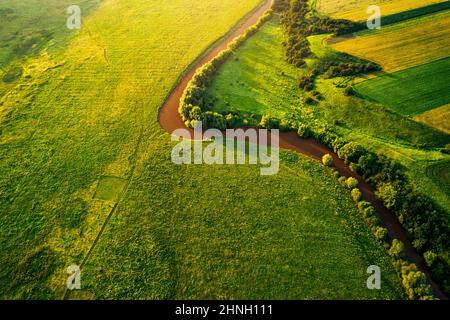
416, 285
381, 233
356, 195
430, 258
342, 181
351, 183
327, 160
351, 152
269, 122
304, 131
397, 249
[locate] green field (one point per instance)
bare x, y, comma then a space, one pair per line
86, 178
234, 241
28, 26
412, 91
258, 80
358, 119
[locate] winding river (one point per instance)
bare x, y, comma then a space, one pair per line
170, 121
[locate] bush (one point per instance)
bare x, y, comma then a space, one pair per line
397, 249
351, 183
304, 131
381, 233
416, 286
327, 160
430, 258
356, 195
343, 181
269, 122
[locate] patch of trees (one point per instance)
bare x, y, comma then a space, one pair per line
347, 69
427, 225
299, 22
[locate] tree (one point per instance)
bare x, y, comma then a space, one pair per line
327, 160
351, 183
356, 195
397, 249
304, 131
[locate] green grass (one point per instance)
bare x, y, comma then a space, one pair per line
29, 26
413, 144
258, 81
80, 125
220, 233
412, 91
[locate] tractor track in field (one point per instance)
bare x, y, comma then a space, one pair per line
170, 120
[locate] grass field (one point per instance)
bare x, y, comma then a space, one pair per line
438, 118
412, 91
356, 10
258, 80
234, 241
403, 45
29, 26
86, 168
357, 119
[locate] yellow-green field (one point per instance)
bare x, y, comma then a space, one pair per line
438, 118
403, 45
356, 10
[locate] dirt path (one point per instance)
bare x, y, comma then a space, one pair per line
170, 121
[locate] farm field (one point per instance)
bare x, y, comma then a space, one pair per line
86, 178
360, 120
402, 45
438, 118
412, 91
355, 10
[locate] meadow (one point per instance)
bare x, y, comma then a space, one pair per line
29, 26
402, 45
412, 91
355, 10
86, 179
257, 80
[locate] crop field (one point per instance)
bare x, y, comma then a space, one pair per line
86, 178
412, 91
356, 10
403, 45
438, 118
